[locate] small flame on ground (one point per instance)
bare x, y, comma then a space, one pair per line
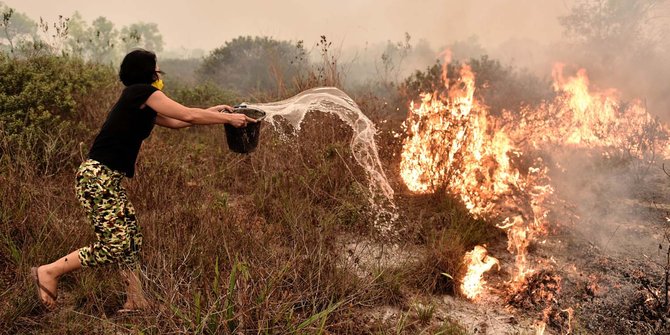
478, 262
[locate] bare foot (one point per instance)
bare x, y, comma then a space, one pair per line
135, 299
136, 304
50, 282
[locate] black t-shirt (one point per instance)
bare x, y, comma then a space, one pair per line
121, 136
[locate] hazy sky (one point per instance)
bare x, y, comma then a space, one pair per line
207, 24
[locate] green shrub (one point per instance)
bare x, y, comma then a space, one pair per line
49, 83
41, 118
253, 64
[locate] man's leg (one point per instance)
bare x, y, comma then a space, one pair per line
48, 274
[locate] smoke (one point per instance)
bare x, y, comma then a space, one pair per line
613, 196
208, 24
606, 202
621, 44
385, 62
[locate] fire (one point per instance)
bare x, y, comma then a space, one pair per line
583, 117
451, 144
478, 262
438, 135
454, 145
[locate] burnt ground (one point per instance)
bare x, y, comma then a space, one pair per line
603, 264
600, 270
611, 254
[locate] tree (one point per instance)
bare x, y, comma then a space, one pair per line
611, 26
467, 48
142, 35
77, 42
103, 39
96, 42
101, 42
392, 58
16, 27
621, 42
251, 64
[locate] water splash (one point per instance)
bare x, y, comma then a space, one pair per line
363, 147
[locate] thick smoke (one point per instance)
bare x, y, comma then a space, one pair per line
607, 203
605, 196
613, 195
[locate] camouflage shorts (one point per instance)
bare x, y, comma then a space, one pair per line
118, 238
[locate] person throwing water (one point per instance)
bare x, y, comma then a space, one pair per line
112, 157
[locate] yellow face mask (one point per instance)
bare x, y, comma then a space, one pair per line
158, 84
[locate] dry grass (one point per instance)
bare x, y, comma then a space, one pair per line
233, 243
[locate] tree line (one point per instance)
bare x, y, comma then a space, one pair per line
100, 40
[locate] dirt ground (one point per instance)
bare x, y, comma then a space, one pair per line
600, 270
612, 256
603, 264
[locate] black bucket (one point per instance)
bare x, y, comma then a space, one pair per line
245, 139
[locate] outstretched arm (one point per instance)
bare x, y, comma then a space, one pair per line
169, 122
167, 107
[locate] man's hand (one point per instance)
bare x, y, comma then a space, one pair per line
221, 108
239, 120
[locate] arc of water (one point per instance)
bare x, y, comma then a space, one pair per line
363, 147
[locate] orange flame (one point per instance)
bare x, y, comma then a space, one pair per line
583, 117
437, 132
453, 144
478, 262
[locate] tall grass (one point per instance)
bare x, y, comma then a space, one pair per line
233, 243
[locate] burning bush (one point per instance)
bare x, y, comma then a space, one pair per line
455, 143
498, 87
